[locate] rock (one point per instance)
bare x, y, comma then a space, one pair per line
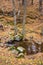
29, 50
31, 38
1, 44
15, 52
39, 49
21, 49
9, 42
20, 55
18, 37
34, 50
8, 45
39, 42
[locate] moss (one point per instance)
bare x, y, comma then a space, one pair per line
12, 47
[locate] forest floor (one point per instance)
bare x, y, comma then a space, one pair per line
33, 27
7, 58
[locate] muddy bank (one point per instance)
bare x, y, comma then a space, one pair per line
31, 47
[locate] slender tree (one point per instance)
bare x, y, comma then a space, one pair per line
24, 18
18, 7
22, 2
31, 2
40, 5
14, 11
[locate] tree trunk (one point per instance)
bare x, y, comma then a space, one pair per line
18, 8
23, 2
31, 2
24, 18
15, 27
40, 5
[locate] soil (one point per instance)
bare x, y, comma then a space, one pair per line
33, 28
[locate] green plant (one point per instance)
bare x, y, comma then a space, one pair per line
12, 47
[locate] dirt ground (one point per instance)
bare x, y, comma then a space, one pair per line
33, 26
7, 58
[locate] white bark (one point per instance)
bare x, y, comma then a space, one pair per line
24, 18
14, 11
18, 7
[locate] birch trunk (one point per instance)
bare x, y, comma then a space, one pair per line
18, 8
24, 19
14, 11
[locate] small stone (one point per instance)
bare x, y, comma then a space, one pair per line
1, 44
39, 42
8, 45
15, 51
34, 48
20, 55
29, 50
18, 37
21, 49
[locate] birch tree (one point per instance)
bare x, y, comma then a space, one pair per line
40, 5
14, 11
18, 7
24, 18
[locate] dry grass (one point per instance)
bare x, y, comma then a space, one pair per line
7, 58
33, 28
